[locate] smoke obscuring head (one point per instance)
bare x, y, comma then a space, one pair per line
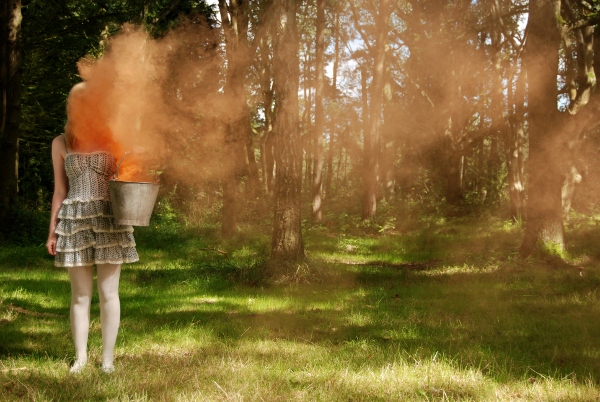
117, 108
163, 96
87, 125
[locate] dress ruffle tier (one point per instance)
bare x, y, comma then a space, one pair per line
88, 235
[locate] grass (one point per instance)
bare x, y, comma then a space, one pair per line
441, 311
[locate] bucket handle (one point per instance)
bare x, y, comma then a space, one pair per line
119, 165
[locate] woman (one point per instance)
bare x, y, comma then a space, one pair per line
83, 234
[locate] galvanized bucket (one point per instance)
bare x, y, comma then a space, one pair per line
132, 201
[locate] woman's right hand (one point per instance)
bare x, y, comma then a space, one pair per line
51, 244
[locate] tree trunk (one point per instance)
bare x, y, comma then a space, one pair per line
452, 166
308, 161
499, 124
374, 143
234, 18
580, 93
10, 112
267, 143
514, 148
306, 128
253, 186
287, 241
330, 151
332, 130
545, 170
229, 209
342, 163
389, 142
369, 200
268, 157
317, 187
568, 189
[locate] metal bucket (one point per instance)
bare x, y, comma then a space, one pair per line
132, 202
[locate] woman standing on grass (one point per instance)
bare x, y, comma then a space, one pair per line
83, 234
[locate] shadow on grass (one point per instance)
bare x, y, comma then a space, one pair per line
463, 241
509, 326
508, 323
470, 320
212, 373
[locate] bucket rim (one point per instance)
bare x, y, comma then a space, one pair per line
133, 182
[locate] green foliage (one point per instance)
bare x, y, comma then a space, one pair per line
164, 213
161, 16
554, 250
26, 227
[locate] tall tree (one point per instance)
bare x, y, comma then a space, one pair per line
388, 135
332, 136
507, 47
264, 67
234, 18
372, 154
555, 138
287, 231
515, 144
373, 134
10, 111
580, 42
545, 168
498, 115
317, 188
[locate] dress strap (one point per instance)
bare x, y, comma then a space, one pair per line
66, 146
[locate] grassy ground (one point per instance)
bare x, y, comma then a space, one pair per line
441, 310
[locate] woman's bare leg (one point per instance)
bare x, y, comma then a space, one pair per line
110, 311
82, 280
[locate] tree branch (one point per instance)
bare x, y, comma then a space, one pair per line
357, 25
413, 83
263, 28
518, 48
166, 11
223, 11
583, 22
75, 25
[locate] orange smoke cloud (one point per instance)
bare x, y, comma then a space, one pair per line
118, 106
88, 123
159, 96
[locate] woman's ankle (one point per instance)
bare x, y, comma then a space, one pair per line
108, 366
78, 366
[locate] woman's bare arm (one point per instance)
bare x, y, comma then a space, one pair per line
61, 189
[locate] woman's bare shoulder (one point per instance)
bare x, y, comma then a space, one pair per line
58, 144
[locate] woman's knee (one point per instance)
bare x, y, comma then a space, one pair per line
108, 282
81, 299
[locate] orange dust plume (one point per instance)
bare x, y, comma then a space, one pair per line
118, 106
87, 126
156, 104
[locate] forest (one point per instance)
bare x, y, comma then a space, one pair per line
359, 200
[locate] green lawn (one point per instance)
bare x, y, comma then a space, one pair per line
443, 312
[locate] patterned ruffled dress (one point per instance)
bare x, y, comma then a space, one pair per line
87, 233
